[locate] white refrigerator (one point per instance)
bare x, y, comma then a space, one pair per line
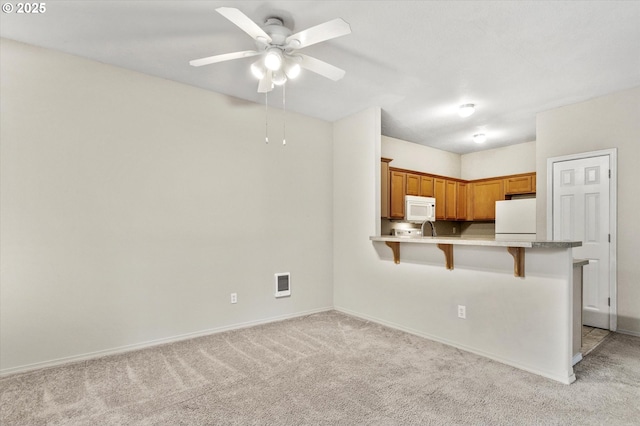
516, 219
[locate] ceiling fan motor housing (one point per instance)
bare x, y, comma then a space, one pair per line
277, 31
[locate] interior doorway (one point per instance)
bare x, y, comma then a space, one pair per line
581, 202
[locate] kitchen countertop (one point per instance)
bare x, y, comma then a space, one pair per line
580, 262
479, 241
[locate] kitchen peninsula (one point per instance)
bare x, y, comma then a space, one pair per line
524, 290
514, 246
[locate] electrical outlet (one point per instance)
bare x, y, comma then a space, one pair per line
234, 297
454, 230
462, 311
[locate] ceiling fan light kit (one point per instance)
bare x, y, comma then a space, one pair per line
276, 46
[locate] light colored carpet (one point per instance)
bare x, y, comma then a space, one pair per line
323, 369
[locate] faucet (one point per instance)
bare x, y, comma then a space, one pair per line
433, 228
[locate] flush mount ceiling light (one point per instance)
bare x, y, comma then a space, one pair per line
277, 48
479, 138
466, 110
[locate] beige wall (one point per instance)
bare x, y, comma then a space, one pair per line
509, 160
413, 156
132, 206
611, 121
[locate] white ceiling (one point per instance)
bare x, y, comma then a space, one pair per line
417, 60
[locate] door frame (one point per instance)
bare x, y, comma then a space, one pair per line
613, 218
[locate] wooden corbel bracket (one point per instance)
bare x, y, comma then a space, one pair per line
518, 260
448, 255
447, 249
395, 248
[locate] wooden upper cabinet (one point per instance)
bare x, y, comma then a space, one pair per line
413, 184
523, 184
439, 192
485, 195
534, 183
462, 201
456, 199
448, 204
403, 183
426, 186
384, 188
397, 189
450, 200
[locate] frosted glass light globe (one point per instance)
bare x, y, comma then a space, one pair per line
292, 70
258, 70
273, 60
279, 78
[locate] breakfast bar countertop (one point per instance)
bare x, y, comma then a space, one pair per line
501, 241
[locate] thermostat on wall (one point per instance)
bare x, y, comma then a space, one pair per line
283, 284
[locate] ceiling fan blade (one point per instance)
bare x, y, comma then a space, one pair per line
224, 57
266, 83
331, 29
320, 67
244, 23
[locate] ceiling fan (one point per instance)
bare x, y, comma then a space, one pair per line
278, 49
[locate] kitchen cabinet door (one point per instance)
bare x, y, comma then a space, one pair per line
485, 195
413, 184
524, 184
426, 186
451, 200
439, 192
534, 183
461, 213
398, 188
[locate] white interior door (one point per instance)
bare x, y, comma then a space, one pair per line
581, 197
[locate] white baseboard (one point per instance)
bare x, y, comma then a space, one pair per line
143, 345
550, 375
629, 332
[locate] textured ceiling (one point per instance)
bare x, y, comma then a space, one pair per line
417, 60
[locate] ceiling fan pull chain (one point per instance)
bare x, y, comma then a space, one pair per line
284, 115
266, 117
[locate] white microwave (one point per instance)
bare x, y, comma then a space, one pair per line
419, 209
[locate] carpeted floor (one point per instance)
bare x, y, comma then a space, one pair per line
323, 369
